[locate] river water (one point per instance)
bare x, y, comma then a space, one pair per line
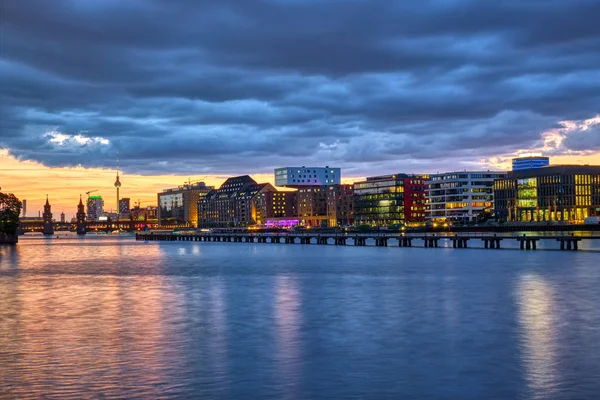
108, 317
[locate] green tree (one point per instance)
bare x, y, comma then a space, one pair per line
10, 209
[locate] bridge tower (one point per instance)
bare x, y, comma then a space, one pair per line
81, 223
47, 217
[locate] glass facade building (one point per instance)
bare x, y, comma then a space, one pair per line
529, 162
390, 200
298, 177
555, 193
461, 196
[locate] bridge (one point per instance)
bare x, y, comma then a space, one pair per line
122, 225
564, 242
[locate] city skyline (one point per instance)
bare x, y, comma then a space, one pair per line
370, 88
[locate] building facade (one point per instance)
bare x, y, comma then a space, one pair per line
529, 161
233, 204
179, 206
298, 177
554, 193
273, 206
398, 199
144, 213
124, 207
95, 208
340, 205
312, 206
461, 196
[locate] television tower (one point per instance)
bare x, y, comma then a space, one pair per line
118, 186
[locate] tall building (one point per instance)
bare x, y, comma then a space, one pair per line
528, 161
312, 206
62, 217
124, 207
81, 221
461, 196
179, 206
95, 207
553, 193
340, 205
118, 186
48, 228
297, 177
398, 199
25, 208
233, 204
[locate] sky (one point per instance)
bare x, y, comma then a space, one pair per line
203, 90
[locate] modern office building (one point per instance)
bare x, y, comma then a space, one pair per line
124, 207
24, 208
179, 206
298, 177
273, 206
528, 161
461, 196
397, 199
95, 207
233, 204
340, 205
553, 193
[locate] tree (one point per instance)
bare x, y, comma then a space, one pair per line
10, 209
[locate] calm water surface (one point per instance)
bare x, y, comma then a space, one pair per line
108, 317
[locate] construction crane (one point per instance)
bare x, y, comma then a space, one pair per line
91, 191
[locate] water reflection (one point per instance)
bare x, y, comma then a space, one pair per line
538, 328
105, 317
287, 322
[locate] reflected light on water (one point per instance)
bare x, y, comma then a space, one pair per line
539, 336
288, 321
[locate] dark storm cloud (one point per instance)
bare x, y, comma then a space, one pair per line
233, 86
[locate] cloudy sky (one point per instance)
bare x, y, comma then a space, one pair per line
207, 89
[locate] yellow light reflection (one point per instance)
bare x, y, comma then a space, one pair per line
538, 330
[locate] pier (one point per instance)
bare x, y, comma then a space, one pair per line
491, 242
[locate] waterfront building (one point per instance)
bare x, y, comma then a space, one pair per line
340, 205
461, 196
298, 177
24, 202
144, 213
179, 206
80, 216
95, 207
275, 205
234, 204
124, 207
553, 193
398, 199
312, 206
529, 160
62, 217
48, 227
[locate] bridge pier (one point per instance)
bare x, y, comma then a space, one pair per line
381, 241
340, 241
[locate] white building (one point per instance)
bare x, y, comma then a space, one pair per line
95, 206
461, 196
307, 176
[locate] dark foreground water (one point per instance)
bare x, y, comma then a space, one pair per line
106, 317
